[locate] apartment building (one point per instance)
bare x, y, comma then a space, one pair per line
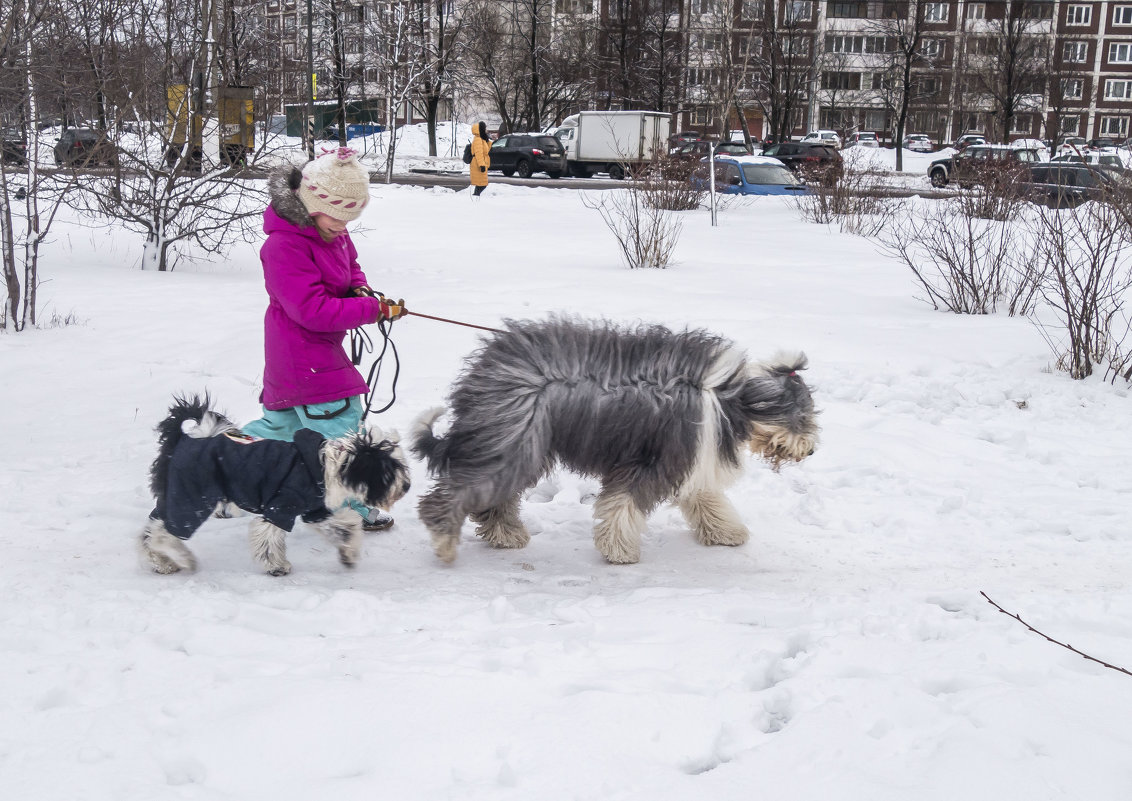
1005, 68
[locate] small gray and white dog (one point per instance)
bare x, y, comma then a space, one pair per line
205, 467
654, 414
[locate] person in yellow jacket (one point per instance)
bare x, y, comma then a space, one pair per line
481, 157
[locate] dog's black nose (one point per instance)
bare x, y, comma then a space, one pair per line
811, 453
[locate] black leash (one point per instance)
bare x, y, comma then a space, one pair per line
360, 344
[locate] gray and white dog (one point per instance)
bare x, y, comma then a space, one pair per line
655, 415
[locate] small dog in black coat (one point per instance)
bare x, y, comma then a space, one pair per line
204, 465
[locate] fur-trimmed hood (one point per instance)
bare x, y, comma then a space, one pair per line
281, 189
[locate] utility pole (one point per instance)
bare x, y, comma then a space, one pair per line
310, 82
210, 90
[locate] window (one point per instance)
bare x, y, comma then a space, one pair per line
1070, 124
1075, 52
799, 11
880, 44
982, 45
1114, 126
796, 46
1022, 123
846, 10
1120, 53
976, 11
701, 116
876, 120
1078, 15
844, 44
932, 48
1118, 90
841, 80
1071, 88
935, 12
575, 6
289, 23
1038, 10
753, 9
371, 75
1122, 15
925, 87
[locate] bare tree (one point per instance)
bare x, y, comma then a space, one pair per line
529, 69
21, 43
400, 59
782, 63
1013, 72
902, 32
440, 30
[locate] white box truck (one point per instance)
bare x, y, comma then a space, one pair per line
613, 141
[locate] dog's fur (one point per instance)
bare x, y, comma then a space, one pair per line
654, 414
357, 467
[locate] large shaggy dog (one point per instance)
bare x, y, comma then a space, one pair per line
654, 414
204, 464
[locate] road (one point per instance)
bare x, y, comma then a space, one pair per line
459, 181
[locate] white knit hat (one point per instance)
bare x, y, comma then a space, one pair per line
335, 185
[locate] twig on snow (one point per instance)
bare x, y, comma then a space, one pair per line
1051, 639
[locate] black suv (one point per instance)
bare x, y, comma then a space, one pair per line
980, 164
812, 159
13, 146
85, 147
523, 154
1066, 185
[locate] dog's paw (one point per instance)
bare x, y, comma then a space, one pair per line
445, 548
280, 569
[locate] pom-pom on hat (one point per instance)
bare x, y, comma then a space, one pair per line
335, 185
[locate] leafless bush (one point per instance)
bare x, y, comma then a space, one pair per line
854, 200
666, 185
646, 234
995, 195
1084, 259
964, 263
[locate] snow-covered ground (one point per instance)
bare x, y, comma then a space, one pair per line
844, 653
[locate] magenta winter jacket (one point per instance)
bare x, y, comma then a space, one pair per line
309, 282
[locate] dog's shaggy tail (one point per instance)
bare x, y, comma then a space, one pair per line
191, 416
424, 443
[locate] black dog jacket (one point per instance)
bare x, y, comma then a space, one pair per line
278, 480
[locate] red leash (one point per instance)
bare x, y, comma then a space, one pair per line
454, 322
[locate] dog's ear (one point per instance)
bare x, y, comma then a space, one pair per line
372, 468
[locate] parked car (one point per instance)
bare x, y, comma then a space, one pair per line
1104, 145
749, 175
524, 154
678, 140
700, 149
85, 147
968, 139
1072, 146
919, 143
13, 146
1097, 159
862, 139
809, 159
824, 138
979, 164
1066, 185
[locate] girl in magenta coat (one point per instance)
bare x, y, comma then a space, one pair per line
316, 292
